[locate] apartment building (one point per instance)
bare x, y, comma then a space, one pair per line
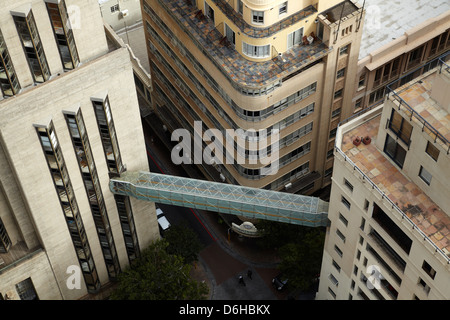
69, 120
389, 212
261, 66
399, 45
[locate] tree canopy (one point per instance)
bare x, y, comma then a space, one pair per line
158, 275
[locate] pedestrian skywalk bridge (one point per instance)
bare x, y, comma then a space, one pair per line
251, 203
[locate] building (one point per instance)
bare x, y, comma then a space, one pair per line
120, 14
68, 122
398, 44
259, 66
389, 233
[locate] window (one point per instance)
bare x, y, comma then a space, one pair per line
258, 17
63, 34
338, 94
5, 242
115, 8
394, 151
362, 81
70, 210
9, 84
340, 235
332, 133
108, 134
240, 7
401, 127
283, 8
425, 175
345, 202
229, 33
424, 285
332, 293
348, 185
432, 151
339, 251
362, 225
128, 228
336, 266
26, 291
295, 38
358, 104
428, 269
32, 46
344, 50
256, 51
336, 112
209, 12
82, 148
343, 219
340, 73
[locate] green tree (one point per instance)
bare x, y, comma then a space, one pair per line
301, 260
300, 249
158, 275
183, 242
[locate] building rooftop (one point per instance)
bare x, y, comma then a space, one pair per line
386, 20
415, 99
405, 194
244, 72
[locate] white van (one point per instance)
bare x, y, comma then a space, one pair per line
164, 224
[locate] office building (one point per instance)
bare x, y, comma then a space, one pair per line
69, 120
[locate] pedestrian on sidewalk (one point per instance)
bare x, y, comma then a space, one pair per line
249, 274
241, 280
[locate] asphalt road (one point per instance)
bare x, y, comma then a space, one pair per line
158, 162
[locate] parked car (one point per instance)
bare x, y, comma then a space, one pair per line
164, 224
280, 282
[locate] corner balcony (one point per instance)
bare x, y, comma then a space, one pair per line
262, 32
241, 72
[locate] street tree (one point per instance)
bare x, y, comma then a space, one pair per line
158, 275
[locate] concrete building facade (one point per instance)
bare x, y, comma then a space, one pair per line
389, 218
69, 120
259, 66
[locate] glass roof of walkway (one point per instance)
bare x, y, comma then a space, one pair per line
248, 202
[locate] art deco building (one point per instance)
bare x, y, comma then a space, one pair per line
69, 120
389, 233
259, 66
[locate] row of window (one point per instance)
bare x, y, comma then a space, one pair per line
58, 170
394, 232
33, 49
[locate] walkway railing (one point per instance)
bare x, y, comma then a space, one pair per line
252, 203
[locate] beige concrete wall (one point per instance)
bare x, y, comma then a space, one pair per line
357, 238
38, 268
21, 143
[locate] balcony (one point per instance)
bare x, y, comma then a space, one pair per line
241, 72
264, 32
